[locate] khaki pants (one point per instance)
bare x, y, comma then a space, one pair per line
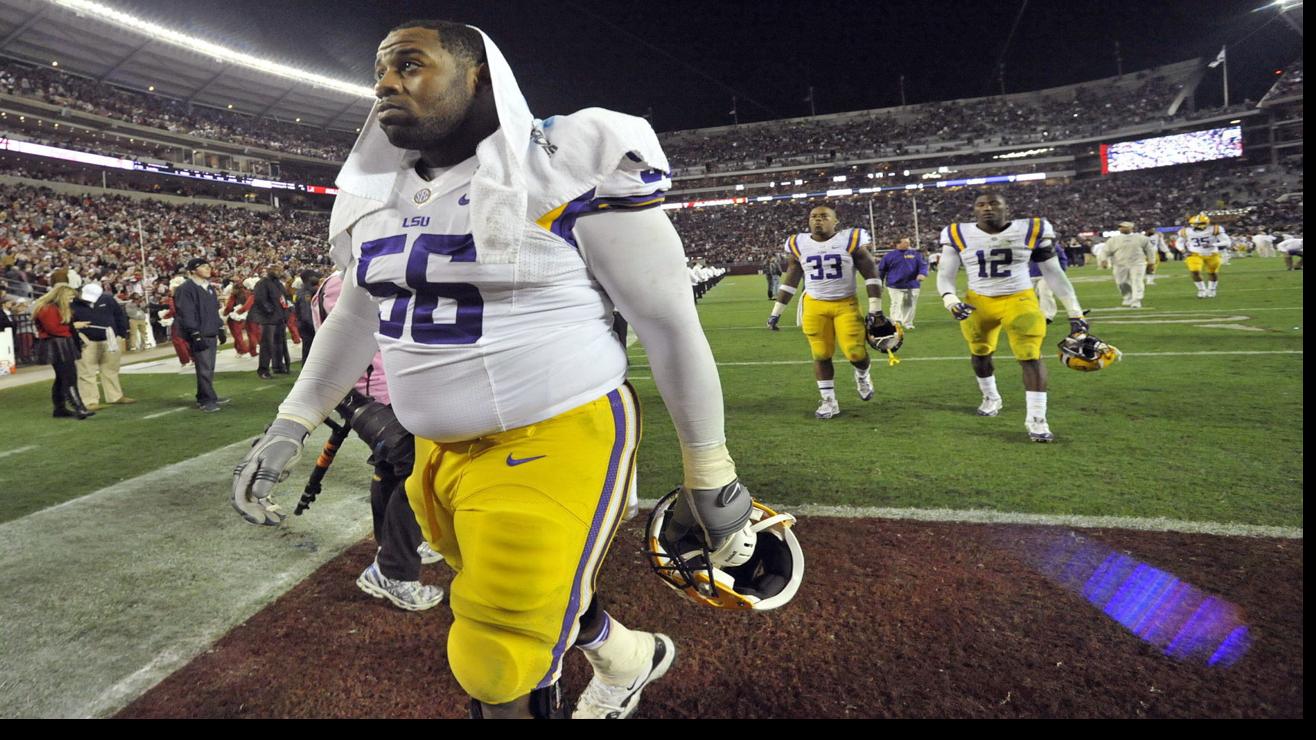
97, 358
1129, 278
904, 301
137, 329
1046, 298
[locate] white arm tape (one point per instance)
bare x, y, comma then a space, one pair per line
873, 281
638, 259
788, 289
946, 271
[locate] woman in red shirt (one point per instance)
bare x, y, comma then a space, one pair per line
57, 346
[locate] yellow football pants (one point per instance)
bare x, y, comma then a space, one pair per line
1018, 313
826, 322
525, 518
1195, 262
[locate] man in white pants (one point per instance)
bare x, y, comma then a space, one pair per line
903, 272
1132, 256
1264, 243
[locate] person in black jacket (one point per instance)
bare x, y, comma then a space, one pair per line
196, 312
303, 307
102, 345
270, 311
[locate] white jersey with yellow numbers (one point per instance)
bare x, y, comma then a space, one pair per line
997, 264
479, 348
828, 265
1203, 241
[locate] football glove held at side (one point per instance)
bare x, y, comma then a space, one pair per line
267, 464
707, 518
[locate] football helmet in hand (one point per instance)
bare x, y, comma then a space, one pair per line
1085, 353
758, 567
884, 336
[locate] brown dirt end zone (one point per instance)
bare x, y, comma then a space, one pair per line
895, 619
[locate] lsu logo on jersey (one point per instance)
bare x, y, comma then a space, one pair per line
415, 222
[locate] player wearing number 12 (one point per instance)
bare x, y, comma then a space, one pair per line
995, 253
827, 258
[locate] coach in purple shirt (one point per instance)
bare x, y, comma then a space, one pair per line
903, 271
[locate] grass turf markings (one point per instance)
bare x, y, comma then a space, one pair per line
121, 587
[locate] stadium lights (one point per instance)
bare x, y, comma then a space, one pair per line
54, 64
150, 88
221, 54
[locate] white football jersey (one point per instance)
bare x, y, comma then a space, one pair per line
1203, 241
828, 265
469, 348
997, 264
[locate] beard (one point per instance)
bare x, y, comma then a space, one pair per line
435, 128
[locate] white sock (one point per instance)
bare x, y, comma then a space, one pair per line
828, 389
1036, 404
1212, 285
988, 387
1200, 285
619, 653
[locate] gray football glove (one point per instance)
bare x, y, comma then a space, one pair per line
707, 517
268, 464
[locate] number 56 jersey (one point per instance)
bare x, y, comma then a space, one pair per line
473, 348
997, 264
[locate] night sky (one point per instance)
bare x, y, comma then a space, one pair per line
685, 60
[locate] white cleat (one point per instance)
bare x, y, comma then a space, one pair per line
1038, 431
603, 700
1201, 293
1136, 304
828, 409
990, 406
865, 385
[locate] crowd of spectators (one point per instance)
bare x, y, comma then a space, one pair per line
42, 231
70, 91
1083, 110
1289, 85
749, 233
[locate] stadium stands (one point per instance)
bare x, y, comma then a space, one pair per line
59, 88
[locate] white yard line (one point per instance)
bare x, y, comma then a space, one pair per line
984, 516
960, 358
7, 453
123, 586
158, 414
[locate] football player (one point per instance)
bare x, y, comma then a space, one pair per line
485, 251
994, 252
1201, 244
826, 258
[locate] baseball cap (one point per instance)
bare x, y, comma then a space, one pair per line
196, 262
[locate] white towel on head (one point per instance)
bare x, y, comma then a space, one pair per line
498, 189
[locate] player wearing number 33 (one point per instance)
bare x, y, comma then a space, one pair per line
827, 258
995, 252
485, 250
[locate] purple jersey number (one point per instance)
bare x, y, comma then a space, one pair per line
469, 324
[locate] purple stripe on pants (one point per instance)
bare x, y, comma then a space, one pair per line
574, 607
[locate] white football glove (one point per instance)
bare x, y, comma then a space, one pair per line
268, 464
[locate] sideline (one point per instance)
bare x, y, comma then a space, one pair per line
960, 358
987, 516
122, 586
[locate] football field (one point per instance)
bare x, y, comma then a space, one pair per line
1201, 421
123, 560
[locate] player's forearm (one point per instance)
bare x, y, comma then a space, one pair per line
638, 259
1058, 281
946, 271
344, 347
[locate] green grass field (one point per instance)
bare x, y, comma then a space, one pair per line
1202, 420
